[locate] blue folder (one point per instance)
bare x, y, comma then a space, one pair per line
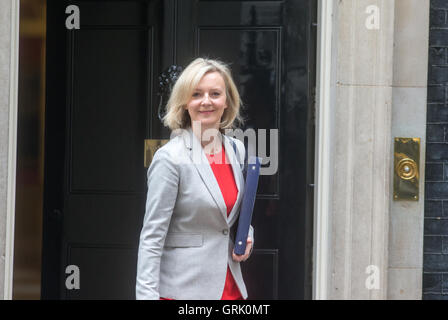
247, 205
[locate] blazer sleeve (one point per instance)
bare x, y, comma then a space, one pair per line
163, 181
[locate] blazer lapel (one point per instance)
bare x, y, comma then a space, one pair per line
237, 173
200, 161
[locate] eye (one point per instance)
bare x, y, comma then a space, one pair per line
216, 94
196, 94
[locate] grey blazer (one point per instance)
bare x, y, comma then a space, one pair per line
186, 240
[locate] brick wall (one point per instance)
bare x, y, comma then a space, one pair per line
435, 261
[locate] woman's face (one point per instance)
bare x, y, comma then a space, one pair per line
208, 101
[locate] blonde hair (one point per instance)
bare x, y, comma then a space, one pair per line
177, 116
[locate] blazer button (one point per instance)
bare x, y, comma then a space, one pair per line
225, 232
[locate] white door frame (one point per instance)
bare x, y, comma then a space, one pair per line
12, 149
323, 151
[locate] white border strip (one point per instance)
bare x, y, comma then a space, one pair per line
12, 149
323, 151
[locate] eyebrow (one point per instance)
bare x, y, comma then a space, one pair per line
218, 89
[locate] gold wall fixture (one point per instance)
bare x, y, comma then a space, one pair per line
406, 168
151, 146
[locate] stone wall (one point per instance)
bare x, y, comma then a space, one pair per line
378, 79
435, 276
408, 120
361, 108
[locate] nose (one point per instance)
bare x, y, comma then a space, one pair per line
205, 99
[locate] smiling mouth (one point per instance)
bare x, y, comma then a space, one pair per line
208, 111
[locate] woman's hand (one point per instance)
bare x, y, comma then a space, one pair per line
245, 256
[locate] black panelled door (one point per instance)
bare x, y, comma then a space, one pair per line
102, 102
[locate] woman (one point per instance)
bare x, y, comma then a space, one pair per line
195, 188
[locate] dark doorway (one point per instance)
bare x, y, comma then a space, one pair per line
102, 103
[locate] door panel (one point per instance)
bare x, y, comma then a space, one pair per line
102, 102
103, 266
109, 89
109, 109
107, 94
268, 44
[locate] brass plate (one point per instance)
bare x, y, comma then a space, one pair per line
151, 146
406, 168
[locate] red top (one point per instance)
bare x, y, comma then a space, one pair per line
224, 176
